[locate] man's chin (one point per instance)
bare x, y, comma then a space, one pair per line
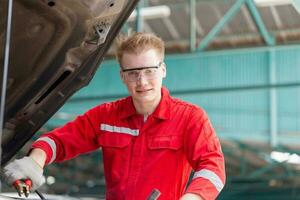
143, 98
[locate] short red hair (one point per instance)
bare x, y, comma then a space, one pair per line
140, 42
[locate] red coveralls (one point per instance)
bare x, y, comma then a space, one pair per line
142, 155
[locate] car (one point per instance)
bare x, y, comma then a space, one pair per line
50, 49
9, 196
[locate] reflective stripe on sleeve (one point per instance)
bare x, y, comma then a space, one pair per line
52, 144
211, 176
117, 129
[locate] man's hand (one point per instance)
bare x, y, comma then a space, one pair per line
190, 196
19, 172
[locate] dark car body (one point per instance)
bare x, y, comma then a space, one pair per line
55, 49
49, 50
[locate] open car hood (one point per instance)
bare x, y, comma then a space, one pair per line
56, 47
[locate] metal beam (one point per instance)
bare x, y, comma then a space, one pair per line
139, 18
219, 16
5, 70
273, 100
192, 91
192, 25
276, 17
259, 172
296, 4
199, 28
269, 39
147, 27
171, 28
125, 28
249, 21
218, 27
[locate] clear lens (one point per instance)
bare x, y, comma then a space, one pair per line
148, 74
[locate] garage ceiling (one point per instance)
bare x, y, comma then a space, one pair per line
282, 21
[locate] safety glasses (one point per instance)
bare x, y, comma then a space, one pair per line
134, 74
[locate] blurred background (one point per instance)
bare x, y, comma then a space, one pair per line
237, 59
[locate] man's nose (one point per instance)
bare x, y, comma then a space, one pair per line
142, 79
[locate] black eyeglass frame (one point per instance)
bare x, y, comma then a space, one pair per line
141, 68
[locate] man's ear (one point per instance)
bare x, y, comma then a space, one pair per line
164, 69
122, 76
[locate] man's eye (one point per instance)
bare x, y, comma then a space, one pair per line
133, 73
149, 71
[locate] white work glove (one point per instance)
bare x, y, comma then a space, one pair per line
23, 169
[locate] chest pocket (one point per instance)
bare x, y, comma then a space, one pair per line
173, 142
114, 140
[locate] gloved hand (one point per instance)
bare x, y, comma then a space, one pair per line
24, 169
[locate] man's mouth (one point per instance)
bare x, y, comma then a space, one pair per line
143, 90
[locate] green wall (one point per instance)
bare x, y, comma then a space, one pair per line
242, 90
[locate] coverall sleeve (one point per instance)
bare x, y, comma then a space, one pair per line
76, 137
204, 154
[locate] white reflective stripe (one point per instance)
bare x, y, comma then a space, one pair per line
51, 144
211, 176
106, 127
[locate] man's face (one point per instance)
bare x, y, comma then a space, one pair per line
142, 74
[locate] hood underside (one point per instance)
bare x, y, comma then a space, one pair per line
55, 49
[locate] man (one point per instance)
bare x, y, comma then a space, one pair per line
149, 140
